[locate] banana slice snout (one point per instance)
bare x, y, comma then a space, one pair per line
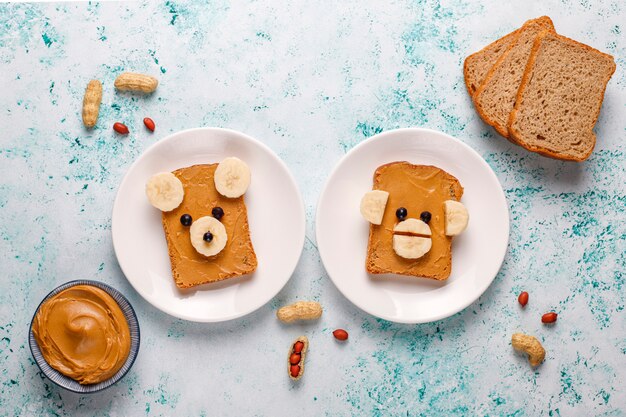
208, 224
165, 191
414, 242
373, 206
456, 216
232, 177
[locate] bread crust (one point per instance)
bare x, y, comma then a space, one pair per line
503, 130
520, 92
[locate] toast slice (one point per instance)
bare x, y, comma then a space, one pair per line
190, 268
417, 188
495, 98
560, 96
478, 64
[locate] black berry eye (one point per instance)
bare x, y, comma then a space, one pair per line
426, 216
217, 212
208, 236
401, 213
186, 220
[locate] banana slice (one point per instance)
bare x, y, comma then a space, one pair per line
457, 217
232, 177
412, 247
373, 206
165, 191
208, 224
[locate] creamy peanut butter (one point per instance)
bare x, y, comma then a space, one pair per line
417, 188
189, 267
82, 333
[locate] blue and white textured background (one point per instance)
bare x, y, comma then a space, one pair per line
310, 79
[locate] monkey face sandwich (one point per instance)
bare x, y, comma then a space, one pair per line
414, 212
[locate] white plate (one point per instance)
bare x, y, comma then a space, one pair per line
477, 254
275, 214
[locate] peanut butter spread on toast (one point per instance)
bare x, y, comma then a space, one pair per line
417, 188
189, 267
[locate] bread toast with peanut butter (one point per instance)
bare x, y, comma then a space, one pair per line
189, 267
414, 234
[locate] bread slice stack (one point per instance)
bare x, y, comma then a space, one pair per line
540, 90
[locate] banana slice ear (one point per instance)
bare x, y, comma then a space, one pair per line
373, 206
165, 191
232, 177
456, 217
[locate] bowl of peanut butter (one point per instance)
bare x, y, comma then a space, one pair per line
84, 336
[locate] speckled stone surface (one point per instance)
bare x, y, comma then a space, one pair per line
311, 80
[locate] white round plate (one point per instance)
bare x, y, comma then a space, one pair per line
275, 214
477, 253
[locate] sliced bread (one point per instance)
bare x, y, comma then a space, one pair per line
495, 98
477, 65
560, 97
